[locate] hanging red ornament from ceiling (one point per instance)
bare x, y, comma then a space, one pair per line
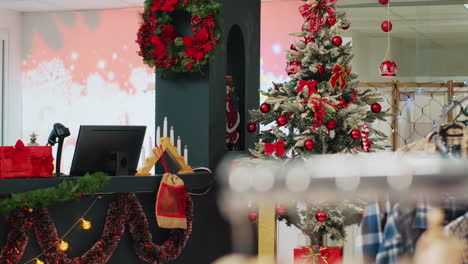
384, 2
386, 26
388, 68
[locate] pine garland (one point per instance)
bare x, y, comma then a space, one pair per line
65, 191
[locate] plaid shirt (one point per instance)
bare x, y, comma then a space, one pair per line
459, 229
384, 246
403, 228
371, 231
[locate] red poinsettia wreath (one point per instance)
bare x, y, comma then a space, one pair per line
162, 47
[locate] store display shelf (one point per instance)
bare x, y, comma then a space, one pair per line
118, 184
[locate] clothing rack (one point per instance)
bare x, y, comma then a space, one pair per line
338, 177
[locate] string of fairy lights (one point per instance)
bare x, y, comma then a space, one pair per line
85, 225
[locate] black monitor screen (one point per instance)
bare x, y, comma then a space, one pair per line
114, 150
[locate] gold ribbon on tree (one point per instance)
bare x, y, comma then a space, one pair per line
339, 75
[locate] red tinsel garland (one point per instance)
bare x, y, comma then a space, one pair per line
123, 209
17, 238
341, 105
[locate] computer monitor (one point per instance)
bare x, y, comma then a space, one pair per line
114, 150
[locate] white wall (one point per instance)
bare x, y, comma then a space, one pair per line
11, 24
416, 63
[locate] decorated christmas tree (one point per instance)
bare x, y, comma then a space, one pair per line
319, 111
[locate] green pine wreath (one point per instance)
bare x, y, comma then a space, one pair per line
162, 47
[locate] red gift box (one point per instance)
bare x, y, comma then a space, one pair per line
26, 162
318, 255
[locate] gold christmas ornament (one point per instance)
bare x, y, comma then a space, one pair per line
85, 224
38, 261
63, 245
30, 210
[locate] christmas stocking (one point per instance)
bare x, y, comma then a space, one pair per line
171, 203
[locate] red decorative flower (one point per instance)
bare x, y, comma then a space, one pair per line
196, 20
164, 5
160, 48
208, 22
168, 34
198, 46
189, 65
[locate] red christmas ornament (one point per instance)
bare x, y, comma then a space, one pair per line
345, 27
294, 67
309, 145
337, 41
252, 127
321, 69
280, 210
331, 21
321, 216
355, 134
293, 47
80, 195
388, 68
386, 26
384, 2
282, 120
309, 40
265, 108
376, 108
25, 208
252, 216
331, 124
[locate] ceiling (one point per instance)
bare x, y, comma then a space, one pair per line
436, 22
61, 5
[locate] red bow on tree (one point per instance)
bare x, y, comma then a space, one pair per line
310, 85
18, 152
43, 163
278, 147
313, 14
339, 75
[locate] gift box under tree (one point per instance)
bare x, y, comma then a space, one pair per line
318, 255
21, 161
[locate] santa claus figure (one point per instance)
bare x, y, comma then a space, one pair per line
232, 115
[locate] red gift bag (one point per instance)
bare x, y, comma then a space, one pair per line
318, 255
26, 162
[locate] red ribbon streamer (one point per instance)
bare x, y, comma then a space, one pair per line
341, 105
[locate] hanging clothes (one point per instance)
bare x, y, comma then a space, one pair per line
403, 227
459, 229
371, 232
